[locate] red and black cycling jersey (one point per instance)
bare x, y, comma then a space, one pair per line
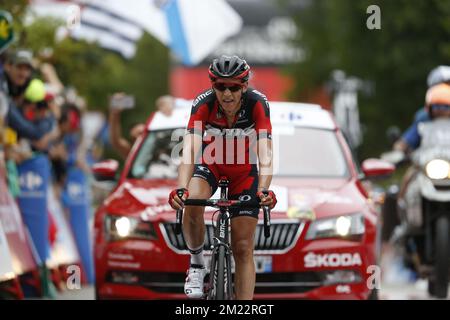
227, 151
254, 115
251, 122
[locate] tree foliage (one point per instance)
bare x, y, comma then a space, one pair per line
94, 72
97, 73
412, 40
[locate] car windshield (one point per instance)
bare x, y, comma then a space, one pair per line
308, 152
304, 152
157, 156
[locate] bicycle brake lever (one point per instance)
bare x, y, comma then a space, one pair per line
179, 215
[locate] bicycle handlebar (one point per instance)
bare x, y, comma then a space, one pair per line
218, 203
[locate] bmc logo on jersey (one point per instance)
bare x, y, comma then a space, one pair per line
260, 94
30, 180
201, 97
204, 169
312, 260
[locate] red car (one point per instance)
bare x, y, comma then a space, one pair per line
323, 242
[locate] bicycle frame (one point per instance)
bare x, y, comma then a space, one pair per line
221, 239
221, 249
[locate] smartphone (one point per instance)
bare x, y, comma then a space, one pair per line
123, 102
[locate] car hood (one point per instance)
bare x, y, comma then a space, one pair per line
297, 197
316, 198
137, 196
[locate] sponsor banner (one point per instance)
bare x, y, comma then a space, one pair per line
64, 250
6, 268
34, 176
15, 232
76, 198
16, 237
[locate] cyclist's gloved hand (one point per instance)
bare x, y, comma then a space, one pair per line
175, 201
268, 198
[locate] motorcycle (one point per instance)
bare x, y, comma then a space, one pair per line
423, 207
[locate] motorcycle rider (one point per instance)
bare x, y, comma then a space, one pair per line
437, 105
437, 81
421, 203
410, 139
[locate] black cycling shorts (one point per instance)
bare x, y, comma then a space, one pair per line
243, 185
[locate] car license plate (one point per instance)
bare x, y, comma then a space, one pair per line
263, 264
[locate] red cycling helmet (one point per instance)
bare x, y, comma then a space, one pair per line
227, 67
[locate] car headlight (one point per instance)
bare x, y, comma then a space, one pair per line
341, 227
438, 169
123, 227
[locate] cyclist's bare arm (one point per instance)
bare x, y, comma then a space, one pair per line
191, 147
265, 161
119, 143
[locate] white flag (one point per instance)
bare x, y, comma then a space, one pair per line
197, 27
98, 21
192, 29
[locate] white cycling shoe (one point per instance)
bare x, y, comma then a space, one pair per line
193, 287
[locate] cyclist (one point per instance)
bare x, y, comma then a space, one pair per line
229, 110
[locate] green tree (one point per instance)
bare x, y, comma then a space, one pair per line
97, 73
94, 72
413, 39
17, 8
146, 77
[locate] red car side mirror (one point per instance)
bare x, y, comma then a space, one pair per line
105, 170
376, 168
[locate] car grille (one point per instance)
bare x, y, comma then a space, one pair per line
283, 236
273, 282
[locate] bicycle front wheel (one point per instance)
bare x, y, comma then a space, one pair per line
220, 283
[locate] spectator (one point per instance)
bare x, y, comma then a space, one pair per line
165, 104
19, 69
120, 143
14, 81
64, 153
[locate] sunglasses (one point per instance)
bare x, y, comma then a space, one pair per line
222, 87
440, 107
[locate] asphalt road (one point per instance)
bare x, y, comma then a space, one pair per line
396, 284
85, 293
410, 291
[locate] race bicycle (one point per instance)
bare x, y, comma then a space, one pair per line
220, 286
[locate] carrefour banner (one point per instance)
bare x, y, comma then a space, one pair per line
34, 176
76, 198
